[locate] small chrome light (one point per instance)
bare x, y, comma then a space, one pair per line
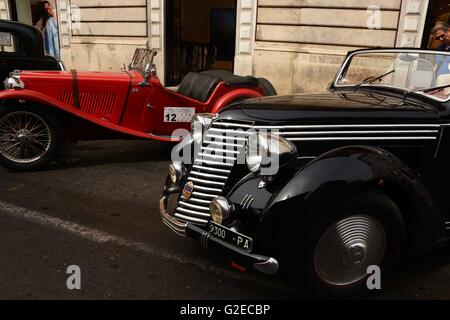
176, 172
14, 82
220, 209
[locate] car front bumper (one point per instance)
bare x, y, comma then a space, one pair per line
264, 264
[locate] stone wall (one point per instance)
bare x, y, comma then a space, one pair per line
301, 43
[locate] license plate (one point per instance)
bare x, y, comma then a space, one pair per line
227, 235
178, 114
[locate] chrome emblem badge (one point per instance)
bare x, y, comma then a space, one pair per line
188, 189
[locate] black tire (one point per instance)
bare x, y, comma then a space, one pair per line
39, 144
268, 88
314, 269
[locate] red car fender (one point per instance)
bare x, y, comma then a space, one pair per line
234, 95
33, 96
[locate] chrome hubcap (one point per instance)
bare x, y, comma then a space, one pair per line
348, 248
24, 137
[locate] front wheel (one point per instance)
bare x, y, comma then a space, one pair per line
29, 138
344, 241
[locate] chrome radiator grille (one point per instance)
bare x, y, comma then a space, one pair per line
222, 146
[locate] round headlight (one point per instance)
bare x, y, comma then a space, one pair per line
266, 153
14, 82
176, 172
220, 209
200, 122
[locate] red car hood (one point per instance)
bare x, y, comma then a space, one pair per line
97, 91
65, 78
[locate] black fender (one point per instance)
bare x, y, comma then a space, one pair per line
343, 172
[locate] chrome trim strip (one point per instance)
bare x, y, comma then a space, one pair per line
340, 126
307, 133
361, 138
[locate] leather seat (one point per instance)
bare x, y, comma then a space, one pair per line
232, 79
198, 86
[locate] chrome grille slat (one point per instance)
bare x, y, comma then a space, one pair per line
214, 163
216, 170
219, 151
193, 213
192, 206
205, 195
210, 171
208, 175
215, 136
191, 219
211, 156
214, 183
202, 188
223, 144
200, 201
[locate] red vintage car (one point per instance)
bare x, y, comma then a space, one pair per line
41, 110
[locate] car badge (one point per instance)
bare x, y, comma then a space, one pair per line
188, 189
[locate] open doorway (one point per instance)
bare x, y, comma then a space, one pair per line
200, 35
439, 10
31, 12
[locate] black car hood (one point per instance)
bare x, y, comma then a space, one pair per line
351, 105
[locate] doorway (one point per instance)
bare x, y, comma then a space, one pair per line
31, 12
439, 10
200, 36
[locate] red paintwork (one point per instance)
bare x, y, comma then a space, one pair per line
116, 101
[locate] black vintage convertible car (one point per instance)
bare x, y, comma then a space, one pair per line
22, 48
323, 186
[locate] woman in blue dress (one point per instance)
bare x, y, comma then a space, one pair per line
50, 30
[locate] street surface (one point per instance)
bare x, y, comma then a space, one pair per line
98, 209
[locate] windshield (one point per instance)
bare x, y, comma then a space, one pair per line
142, 58
416, 71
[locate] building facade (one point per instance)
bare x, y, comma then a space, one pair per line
296, 44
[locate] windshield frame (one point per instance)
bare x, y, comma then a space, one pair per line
151, 52
347, 62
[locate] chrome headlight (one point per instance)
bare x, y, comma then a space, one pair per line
220, 209
200, 122
266, 153
14, 82
176, 172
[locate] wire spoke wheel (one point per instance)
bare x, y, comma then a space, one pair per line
348, 248
25, 137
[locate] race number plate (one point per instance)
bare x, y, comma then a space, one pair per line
178, 114
243, 242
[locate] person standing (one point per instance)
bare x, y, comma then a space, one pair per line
51, 35
437, 35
